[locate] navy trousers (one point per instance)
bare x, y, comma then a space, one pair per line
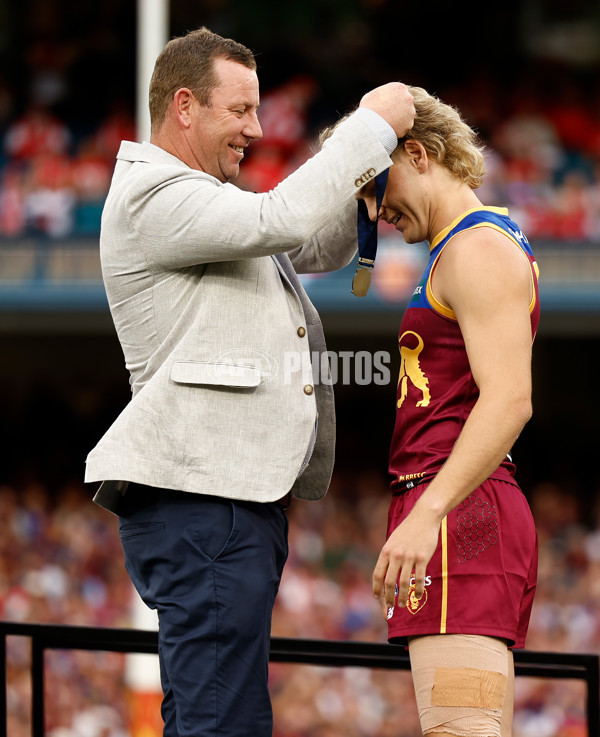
211, 568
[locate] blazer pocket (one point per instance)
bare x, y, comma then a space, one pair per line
219, 374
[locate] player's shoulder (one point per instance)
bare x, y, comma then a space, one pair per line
485, 241
482, 260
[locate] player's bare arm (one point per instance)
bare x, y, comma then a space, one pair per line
486, 280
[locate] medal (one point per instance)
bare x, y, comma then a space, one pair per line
361, 281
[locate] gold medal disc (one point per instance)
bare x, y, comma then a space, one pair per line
361, 282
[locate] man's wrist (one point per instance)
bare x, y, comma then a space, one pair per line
380, 127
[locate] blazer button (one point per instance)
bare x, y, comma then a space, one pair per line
301, 332
309, 389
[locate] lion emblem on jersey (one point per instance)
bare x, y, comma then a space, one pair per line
410, 370
413, 604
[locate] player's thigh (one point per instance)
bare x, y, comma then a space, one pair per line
461, 684
509, 701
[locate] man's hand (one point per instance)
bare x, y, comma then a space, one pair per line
394, 103
407, 552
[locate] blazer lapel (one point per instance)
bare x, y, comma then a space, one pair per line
287, 270
288, 273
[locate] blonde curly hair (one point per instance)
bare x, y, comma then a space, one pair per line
446, 137
444, 134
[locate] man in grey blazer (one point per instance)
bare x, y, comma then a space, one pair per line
227, 420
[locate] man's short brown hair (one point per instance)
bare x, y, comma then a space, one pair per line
188, 61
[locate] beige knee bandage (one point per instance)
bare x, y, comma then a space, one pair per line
460, 683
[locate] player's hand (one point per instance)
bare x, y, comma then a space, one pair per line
407, 552
394, 103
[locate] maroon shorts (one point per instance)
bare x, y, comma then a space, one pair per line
482, 577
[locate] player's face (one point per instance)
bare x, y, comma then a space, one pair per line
405, 202
221, 132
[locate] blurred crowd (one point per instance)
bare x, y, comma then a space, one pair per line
52, 183
543, 156
61, 562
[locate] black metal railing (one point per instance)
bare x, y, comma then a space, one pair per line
283, 650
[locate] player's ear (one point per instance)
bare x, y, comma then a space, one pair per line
416, 153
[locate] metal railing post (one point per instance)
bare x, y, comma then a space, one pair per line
37, 687
593, 696
3, 686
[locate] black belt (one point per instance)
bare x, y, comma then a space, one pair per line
403, 486
140, 495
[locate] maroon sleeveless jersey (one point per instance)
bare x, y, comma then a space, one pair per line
436, 389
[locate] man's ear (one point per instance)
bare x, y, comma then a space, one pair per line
417, 154
183, 100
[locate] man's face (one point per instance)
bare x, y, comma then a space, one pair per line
220, 133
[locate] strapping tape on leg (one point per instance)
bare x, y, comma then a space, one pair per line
465, 696
480, 689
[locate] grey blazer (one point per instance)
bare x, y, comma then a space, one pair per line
217, 332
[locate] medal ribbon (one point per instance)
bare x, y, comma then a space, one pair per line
367, 239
